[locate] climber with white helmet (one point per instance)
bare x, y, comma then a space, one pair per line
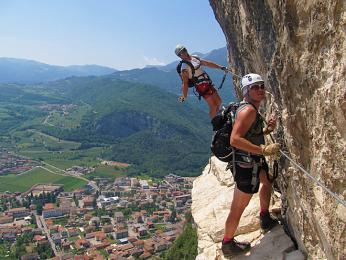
193, 75
249, 167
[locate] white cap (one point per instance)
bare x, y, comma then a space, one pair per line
179, 48
248, 80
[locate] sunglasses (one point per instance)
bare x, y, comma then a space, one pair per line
183, 51
257, 86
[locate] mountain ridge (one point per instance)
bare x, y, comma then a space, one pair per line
25, 71
22, 71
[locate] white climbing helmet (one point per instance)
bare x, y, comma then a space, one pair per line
248, 80
179, 48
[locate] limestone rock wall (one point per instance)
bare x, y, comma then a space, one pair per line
300, 49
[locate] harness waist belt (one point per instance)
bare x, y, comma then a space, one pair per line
203, 76
248, 158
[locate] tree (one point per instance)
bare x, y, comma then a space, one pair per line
33, 221
185, 246
39, 209
94, 203
75, 200
49, 198
173, 216
18, 249
44, 250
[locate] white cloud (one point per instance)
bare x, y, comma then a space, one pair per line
152, 61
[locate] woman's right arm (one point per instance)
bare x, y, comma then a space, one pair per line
185, 84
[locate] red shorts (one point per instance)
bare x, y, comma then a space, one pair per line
205, 90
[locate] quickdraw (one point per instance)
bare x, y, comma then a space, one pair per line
223, 80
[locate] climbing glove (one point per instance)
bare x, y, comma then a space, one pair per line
267, 130
181, 99
271, 149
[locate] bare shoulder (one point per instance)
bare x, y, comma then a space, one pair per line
247, 113
185, 72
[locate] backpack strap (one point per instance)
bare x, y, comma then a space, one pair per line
179, 67
193, 80
243, 104
189, 64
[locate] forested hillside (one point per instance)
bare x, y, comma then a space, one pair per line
138, 124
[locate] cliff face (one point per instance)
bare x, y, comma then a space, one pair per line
300, 49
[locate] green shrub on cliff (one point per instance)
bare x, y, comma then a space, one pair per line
185, 247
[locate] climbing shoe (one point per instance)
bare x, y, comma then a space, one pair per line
233, 248
267, 222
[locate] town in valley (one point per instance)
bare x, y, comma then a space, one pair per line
121, 218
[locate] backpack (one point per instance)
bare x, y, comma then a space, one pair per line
223, 125
192, 82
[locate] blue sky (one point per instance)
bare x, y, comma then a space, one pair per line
121, 34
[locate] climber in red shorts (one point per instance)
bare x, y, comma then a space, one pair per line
193, 75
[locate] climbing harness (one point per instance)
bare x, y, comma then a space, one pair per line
220, 87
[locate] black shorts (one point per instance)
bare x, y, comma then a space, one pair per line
243, 177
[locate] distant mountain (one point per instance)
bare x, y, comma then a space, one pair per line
29, 71
166, 77
168, 80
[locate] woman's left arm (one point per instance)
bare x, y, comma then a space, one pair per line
211, 64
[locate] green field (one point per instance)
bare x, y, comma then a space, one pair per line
21, 183
106, 172
101, 171
85, 158
34, 140
70, 120
66, 159
60, 221
4, 113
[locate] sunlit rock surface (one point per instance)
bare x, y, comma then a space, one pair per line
212, 194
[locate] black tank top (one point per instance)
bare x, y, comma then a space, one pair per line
255, 133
